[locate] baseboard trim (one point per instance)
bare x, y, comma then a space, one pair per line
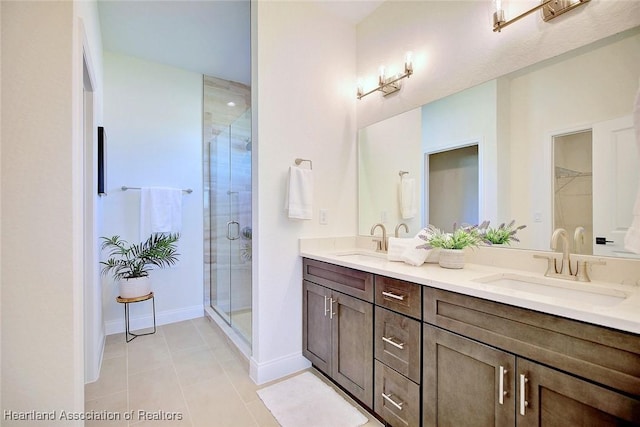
162, 318
92, 373
264, 372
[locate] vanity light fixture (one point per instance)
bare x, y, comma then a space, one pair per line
389, 85
550, 10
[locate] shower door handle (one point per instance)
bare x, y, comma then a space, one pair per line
229, 224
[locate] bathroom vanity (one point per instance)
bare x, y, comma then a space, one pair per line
427, 346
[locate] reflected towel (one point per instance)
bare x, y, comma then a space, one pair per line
160, 211
299, 195
414, 256
632, 238
397, 246
407, 198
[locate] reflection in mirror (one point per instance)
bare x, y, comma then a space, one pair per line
572, 187
385, 149
514, 120
453, 187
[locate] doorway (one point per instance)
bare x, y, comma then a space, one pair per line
453, 187
573, 187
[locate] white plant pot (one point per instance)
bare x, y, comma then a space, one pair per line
451, 258
136, 287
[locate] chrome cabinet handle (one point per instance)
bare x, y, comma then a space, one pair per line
389, 398
326, 310
392, 295
501, 392
523, 389
331, 312
393, 343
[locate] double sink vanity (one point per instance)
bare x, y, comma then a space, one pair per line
493, 344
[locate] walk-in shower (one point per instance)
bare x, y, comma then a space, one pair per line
227, 208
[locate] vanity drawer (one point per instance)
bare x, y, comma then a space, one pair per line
396, 398
397, 342
603, 355
400, 296
356, 283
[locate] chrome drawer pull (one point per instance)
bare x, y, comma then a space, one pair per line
523, 398
393, 343
326, 310
501, 392
388, 398
392, 295
331, 312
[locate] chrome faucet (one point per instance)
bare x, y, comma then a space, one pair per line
381, 244
581, 273
565, 267
402, 224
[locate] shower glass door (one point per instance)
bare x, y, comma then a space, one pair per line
230, 225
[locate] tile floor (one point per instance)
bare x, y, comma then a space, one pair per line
188, 368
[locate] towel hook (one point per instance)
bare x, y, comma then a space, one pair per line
298, 161
401, 173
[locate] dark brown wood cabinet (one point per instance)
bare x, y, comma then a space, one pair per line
398, 348
338, 333
430, 357
548, 397
551, 363
465, 382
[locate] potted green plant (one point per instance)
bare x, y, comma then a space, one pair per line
502, 235
452, 245
130, 263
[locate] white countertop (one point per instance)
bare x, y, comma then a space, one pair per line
623, 316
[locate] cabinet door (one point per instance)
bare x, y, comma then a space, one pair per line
316, 326
547, 397
465, 383
352, 339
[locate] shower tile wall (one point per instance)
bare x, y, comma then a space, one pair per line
217, 117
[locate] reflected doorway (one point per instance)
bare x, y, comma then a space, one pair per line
573, 186
453, 187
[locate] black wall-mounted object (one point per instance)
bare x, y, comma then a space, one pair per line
102, 161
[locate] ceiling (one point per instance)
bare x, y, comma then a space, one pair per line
210, 37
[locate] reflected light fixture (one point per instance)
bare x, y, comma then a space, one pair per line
389, 85
550, 10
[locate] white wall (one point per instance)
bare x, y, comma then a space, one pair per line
89, 40
305, 108
153, 122
42, 192
455, 48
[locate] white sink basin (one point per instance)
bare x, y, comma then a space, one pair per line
362, 255
560, 289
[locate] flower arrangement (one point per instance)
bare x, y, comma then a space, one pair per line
503, 234
462, 237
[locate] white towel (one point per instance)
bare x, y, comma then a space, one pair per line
414, 256
160, 211
397, 246
632, 238
299, 196
407, 198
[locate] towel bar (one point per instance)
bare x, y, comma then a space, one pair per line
125, 188
298, 161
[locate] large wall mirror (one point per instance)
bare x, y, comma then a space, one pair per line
555, 148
